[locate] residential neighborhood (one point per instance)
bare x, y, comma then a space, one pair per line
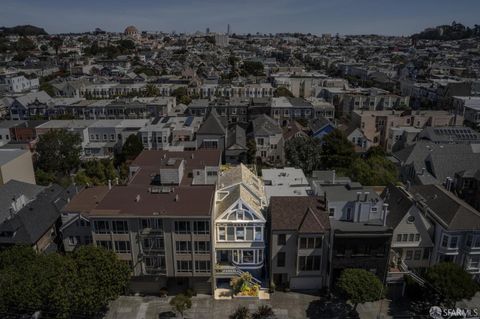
224, 174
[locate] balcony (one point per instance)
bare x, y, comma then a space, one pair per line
226, 270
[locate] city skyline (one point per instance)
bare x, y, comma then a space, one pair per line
385, 17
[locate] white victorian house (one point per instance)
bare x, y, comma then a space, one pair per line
239, 224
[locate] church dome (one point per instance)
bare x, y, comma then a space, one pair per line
131, 30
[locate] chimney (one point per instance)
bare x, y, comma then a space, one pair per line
408, 185
385, 212
109, 184
358, 196
366, 196
423, 171
137, 198
14, 203
177, 198
333, 177
193, 156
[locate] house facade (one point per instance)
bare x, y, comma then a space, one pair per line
299, 242
239, 225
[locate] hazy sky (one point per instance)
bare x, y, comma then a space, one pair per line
389, 17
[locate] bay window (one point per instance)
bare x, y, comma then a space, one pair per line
240, 233
258, 234
248, 257
221, 234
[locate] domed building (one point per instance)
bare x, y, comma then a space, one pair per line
131, 31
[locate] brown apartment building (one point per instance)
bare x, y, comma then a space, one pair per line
159, 223
377, 125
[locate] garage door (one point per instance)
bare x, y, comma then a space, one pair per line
305, 283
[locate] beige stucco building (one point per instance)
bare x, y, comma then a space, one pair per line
16, 164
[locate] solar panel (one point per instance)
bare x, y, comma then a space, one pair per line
188, 121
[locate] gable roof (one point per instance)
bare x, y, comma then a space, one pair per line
212, 125
311, 223
236, 138
399, 203
448, 210
296, 213
29, 98
264, 125
439, 160
37, 217
14, 189
320, 123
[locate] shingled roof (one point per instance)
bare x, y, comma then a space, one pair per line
448, 210
297, 213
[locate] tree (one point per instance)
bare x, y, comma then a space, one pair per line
251, 150
252, 68
304, 153
452, 282
151, 90
48, 88
240, 313
282, 91
25, 44
263, 312
126, 45
181, 95
359, 286
103, 278
337, 151
43, 178
181, 303
79, 284
56, 43
58, 151
132, 147
373, 171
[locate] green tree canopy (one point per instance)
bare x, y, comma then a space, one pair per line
96, 172
452, 282
373, 171
58, 151
43, 178
254, 68
25, 44
337, 151
282, 91
61, 286
181, 94
304, 153
48, 88
132, 147
151, 90
359, 286
56, 43
181, 303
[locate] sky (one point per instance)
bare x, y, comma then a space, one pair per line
386, 17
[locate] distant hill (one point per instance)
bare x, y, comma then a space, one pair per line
22, 30
455, 31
